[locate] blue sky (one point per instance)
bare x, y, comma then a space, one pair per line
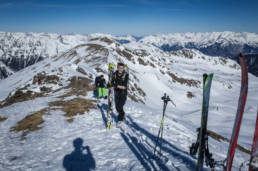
136, 17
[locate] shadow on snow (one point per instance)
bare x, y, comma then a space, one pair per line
78, 160
144, 151
103, 109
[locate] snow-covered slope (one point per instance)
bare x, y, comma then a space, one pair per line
19, 50
43, 127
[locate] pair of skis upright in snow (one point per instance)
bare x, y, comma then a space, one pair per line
202, 135
239, 114
110, 95
253, 164
202, 138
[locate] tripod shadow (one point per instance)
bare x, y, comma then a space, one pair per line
77, 160
144, 151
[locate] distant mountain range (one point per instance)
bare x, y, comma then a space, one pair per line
226, 44
19, 50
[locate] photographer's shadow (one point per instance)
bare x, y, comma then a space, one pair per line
78, 160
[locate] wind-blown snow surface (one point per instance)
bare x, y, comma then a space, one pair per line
131, 147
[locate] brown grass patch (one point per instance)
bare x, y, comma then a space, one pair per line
74, 106
133, 98
45, 89
99, 70
187, 53
79, 86
162, 72
44, 78
140, 91
2, 119
20, 96
142, 62
70, 120
220, 138
133, 89
190, 95
104, 39
188, 82
233, 66
125, 53
80, 83
60, 69
77, 61
152, 65
80, 70
140, 52
95, 47
223, 61
30, 123
47, 65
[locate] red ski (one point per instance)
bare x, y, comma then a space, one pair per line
254, 152
239, 114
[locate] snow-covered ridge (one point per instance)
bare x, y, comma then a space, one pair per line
203, 39
19, 50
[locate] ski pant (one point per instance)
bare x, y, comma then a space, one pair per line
102, 92
120, 99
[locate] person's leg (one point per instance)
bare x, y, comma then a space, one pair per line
117, 101
122, 103
105, 92
99, 92
120, 106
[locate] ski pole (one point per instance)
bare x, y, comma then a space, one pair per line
162, 120
165, 99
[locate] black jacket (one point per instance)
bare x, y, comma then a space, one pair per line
100, 82
121, 80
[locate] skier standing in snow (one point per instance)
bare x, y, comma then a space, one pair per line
100, 84
119, 82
